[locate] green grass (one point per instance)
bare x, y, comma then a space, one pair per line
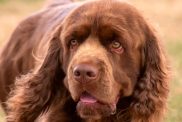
166, 13
175, 100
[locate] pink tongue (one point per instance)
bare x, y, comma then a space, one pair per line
87, 98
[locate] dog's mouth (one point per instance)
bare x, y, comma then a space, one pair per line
88, 98
90, 107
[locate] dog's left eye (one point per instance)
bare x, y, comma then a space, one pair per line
116, 47
116, 44
73, 43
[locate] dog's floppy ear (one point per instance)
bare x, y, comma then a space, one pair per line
151, 90
34, 92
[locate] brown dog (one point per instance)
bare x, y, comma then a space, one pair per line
91, 61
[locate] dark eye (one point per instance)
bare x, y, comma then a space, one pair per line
73, 43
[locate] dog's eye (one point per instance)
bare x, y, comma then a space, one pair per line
73, 43
116, 47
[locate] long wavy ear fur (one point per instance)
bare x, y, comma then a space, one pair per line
150, 94
34, 92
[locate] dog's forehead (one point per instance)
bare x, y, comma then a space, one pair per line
102, 12
95, 16
102, 18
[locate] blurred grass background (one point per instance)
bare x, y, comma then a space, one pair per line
166, 16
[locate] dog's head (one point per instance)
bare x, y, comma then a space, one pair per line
107, 52
102, 45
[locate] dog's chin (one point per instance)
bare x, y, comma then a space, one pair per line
89, 107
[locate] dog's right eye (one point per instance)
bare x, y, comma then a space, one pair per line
73, 44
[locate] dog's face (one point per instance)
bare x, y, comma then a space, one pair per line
102, 55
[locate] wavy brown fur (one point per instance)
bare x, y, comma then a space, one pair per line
40, 92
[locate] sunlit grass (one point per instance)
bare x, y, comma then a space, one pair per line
12, 12
175, 100
166, 14
1, 116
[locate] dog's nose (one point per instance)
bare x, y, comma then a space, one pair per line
85, 72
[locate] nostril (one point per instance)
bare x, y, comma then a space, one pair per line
76, 73
91, 74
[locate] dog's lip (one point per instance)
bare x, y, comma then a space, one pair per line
88, 98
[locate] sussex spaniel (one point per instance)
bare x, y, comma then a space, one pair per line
93, 61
